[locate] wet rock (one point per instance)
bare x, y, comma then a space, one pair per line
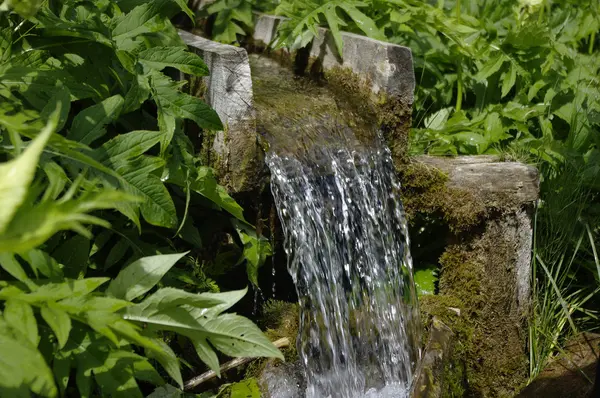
429, 377
283, 380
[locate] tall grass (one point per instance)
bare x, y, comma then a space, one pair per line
566, 269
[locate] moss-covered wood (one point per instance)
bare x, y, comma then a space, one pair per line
479, 281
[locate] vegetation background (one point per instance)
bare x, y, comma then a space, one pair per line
91, 122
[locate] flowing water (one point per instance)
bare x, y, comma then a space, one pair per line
347, 245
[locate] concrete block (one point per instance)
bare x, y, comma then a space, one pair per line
238, 157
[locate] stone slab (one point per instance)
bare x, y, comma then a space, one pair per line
486, 176
387, 67
239, 159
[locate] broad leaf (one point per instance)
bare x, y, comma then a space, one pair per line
166, 391
256, 250
245, 389
89, 124
25, 367
123, 154
207, 186
16, 175
19, 316
159, 58
232, 334
141, 276
172, 102
59, 321
50, 292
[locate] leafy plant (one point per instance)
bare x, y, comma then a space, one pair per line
232, 18
97, 173
306, 16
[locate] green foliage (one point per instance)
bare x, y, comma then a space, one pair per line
101, 192
232, 18
306, 16
426, 279
566, 281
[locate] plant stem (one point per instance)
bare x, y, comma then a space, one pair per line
592, 40
458, 10
459, 87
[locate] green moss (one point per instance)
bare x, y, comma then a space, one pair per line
197, 86
280, 319
392, 115
425, 190
488, 358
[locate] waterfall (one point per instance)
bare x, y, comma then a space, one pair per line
346, 238
348, 252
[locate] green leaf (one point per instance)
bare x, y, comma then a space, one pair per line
16, 175
437, 120
61, 96
206, 353
123, 154
58, 291
135, 22
168, 359
207, 186
61, 366
363, 22
59, 321
159, 58
81, 304
125, 147
166, 391
10, 264
235, 336
157, 206
245, 389
116, 376
73, 253
172, 102
491, 67
141, 276
32, 226
232, 334
116, 253
25, 8
137, 94
425, 280
41, 261
334, 21
26, 367
19, 315
225, 27
510, 78
89, 124
256, 250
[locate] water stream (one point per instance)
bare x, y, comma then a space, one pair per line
347, 245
